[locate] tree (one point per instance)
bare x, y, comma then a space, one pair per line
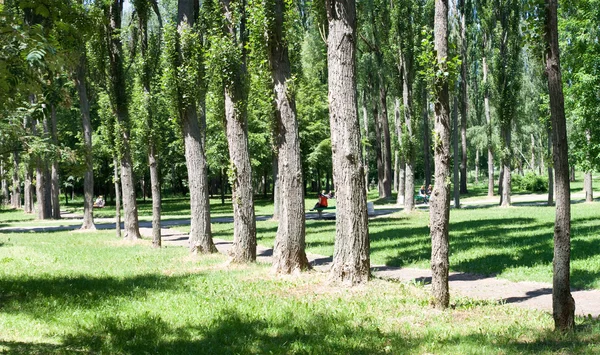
563, 305
440, 204
187, 91
232, 49
351, 249
86, 123
120, 103
288, 253
148, 70
464, 98
507, 71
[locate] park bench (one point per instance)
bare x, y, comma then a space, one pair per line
321, 209
421, 199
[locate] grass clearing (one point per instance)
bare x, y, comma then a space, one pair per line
515, 243
67, 292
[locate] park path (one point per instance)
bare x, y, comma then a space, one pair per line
535, 295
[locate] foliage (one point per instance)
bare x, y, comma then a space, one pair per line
531, 182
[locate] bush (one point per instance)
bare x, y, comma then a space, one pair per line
530, 182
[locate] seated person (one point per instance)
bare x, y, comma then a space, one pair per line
322, 201
423, 194
99, 203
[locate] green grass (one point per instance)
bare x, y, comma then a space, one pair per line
513, 243
69, 292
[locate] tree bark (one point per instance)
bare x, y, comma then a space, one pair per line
117, 181
488, 119
400, 198
240, 173
121, 106
86, 123
464, 107
200, 240
456, 181
550, 170
155, 186
55, 187
409, 188
440, 202
16, 182
4, 192
386, 143
563, 305
426, 140
41, 183
351, 250
276, 187
288, 253
28, 187
506, 169
378, 148
477, 166
366, 138
587, 187
152, 135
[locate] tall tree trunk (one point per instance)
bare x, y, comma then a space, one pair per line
366, 138
4, 192
532, 153
563, 305
86, 123
572, 173
386, 143
117, 181
152, 133
400, 198
587, 187
550, 170
47, 174
477, 166
16, 182
28, 187
193, 130
288, 253
200, 232
506, 169
244, 226
244, 222
426, 140
464, 106
121, 106
396, 168
41, 183
409, 188
378, 148
440, 202
28, 183
155, 186
351, 250
455, 178
488, 120
55, 188
276, 187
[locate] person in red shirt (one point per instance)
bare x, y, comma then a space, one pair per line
322, 201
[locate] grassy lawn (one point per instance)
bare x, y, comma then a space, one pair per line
70, 292
513, 243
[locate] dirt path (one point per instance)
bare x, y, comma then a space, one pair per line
534, 295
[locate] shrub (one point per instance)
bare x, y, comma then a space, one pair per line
530, 182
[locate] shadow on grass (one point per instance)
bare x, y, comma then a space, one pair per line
47, 296
234, 332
